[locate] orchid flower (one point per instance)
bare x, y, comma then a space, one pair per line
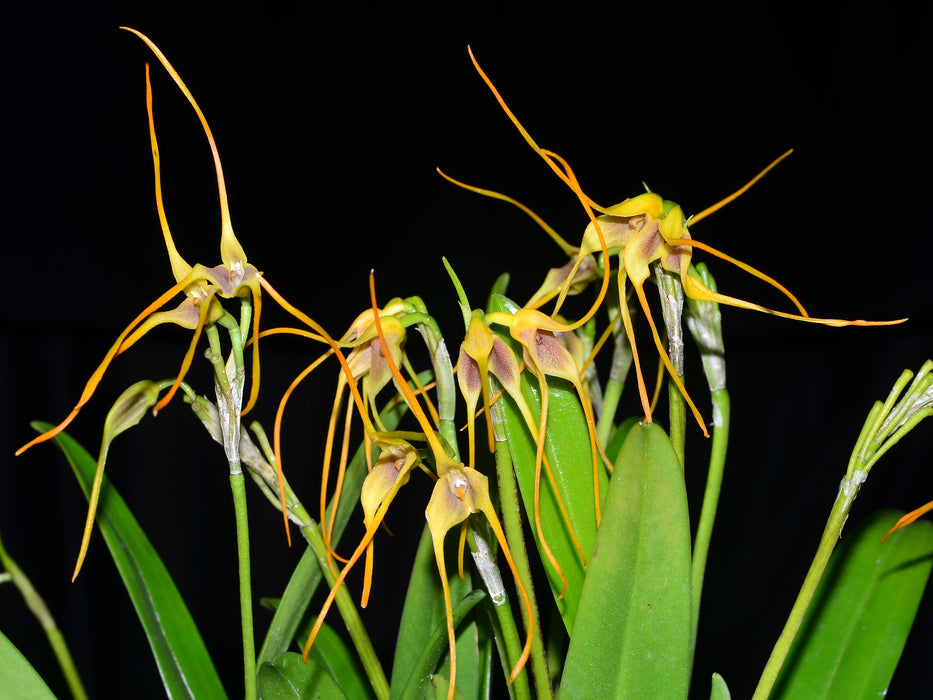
544, 355
368, 367
644, 229
459, 491
483, 354
201, 285
202, 288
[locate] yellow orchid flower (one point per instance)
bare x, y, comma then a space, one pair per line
201, 285
482, 354
642, 230
367, 366
459, 491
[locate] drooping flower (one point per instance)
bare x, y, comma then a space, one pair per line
483, 354
459, 492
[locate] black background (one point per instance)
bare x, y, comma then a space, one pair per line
330, 123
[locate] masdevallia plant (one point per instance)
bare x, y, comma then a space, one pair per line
602, 493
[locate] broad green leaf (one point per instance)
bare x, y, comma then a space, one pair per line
631, 638
567, 448
186, 669
858, 621
289, 678
422, 636
618, 437
18, 678
720, 690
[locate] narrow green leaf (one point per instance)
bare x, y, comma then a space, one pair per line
289, 678
184, 664
720, 690
631, 637
17, 676
855, 629
422, 635
436, 647
567, 448
291, 608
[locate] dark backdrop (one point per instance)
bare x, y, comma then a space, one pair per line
330, 123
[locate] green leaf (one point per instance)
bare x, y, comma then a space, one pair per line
567, 448
631, 637
17, 676
329, 652
422, 635
618, 437
720, 690
855, 629
470, 668
468, 680
289, 678
291, 608
184, 664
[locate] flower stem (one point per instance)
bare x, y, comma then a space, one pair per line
508, 640
605, 425
228, 386
238, 487
262, 470
837, 518
672, 307
514, 535
37, 605
347, 608
886, 424
678, 417
621, 365
717, 462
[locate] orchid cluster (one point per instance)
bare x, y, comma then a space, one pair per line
514, 365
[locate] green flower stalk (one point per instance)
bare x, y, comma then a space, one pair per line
886, 424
